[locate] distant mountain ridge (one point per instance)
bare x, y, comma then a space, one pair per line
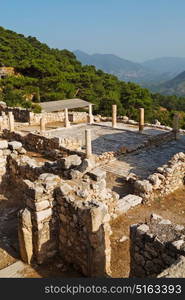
125, 69
147, 73
166, 65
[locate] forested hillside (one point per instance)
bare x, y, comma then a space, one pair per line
51, 74
174, 86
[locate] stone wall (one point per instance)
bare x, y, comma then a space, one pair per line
25, 115
60, 216
63, 222
20, 114
74, 117
84, 233
167, 179
155, 246
46, 144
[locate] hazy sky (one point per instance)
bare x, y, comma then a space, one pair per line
134, 29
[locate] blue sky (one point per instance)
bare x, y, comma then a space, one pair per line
134, 29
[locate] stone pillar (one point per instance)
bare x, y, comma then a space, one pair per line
141, 119
42, 124
67, 123
114, 116
176, 125
11, 121
25, 235
88, 143
90, 116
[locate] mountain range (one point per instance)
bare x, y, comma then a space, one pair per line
157, 74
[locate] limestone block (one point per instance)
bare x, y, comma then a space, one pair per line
143, 186
65, 189
154, 179
6, 152
98, 215
14, 145
86, 165
143, 227
70, 161
178, 244
25, 235
3, 144
22, 150
41, 205
43, 215
97, 174
127, 202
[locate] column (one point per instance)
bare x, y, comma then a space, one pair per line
67, 123
88, 143
42, 124
141, 119
90, 116
11, 121
176, 125
114, 115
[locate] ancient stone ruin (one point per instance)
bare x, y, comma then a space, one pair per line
67, 187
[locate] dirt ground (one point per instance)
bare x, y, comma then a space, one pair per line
171, 207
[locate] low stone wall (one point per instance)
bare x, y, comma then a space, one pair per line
45, 144
20, 114
167, 179
74, 117
155, 246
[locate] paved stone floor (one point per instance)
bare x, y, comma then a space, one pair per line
145, 162
105, 138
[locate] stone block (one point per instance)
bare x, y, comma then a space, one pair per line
25, 235
97, 174
43, 215
3, 144
143, 186
127, 202
70, 161
14, 145
41, 205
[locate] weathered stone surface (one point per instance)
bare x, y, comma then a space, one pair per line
43, 215
14, 145
143, 228
65, 189
25, 235
70, 161
3, 144
97, 174
178, 244
41, 205
86, 165
21, 150
143, 186
127, 202
98, 214
159, 252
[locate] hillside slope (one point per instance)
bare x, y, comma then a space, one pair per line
51, 74
176, 86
